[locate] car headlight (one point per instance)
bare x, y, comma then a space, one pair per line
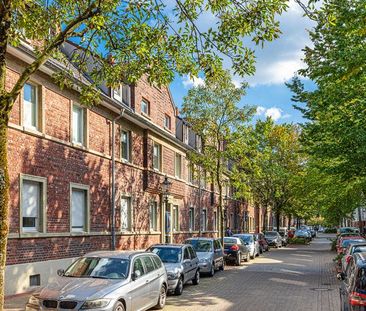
204, 260
95, 304
172, 275
33, 300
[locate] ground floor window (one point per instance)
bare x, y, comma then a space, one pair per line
79, 208
154, 216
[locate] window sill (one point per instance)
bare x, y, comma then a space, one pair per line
146, 115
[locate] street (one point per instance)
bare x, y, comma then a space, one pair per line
295, 278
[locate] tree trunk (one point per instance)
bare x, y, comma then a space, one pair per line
278, 214
289, 222
4, 204
265, 219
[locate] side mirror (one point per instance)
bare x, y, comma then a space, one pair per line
185, 261
135, 275
341, 276
60, 272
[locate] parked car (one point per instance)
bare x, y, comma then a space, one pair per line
110, 281
273, 238
302, 233
352, 248
284, 235
345, 242
235, 250
312, 231
308, 230
291, 233
347, 230
210, 254
353, 286
250, 242
344, 238
263, 245
181, 263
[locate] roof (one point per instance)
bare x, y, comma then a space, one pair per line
114, 254
168, 245
202, 238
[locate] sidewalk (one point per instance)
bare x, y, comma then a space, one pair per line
16, 302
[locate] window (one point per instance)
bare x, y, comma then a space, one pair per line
148, 264
204, 220
191, 219
32, 199
214, 225
126, 145
185, 134
178, 165
157, 156
30, 106
122, 94
154, 216
35, 280
192, 252
138, 267
79, 209
78, 125
145, 107
186, 254
190, 173
126, 214
167, 122
198, 143
175, 218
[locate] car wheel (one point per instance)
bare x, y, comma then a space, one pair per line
261, 250
212, 271
162, 298
179, 289
247, 258
196, 279
252, 256
222, 267
119, 307
238, 260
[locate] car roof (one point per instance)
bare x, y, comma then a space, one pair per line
202, 238
241, 234
170, 245
115, 254
353, 237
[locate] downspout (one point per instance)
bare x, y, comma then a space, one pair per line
113, 200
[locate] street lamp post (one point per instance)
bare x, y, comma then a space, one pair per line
165, 191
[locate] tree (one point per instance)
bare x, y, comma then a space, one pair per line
124, 40
267, 159
335, 137
213, 113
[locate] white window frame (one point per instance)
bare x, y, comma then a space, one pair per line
153, 216
85, 188
178, 173
119, 97
143, 100
159, 156
169, 119
129, 227
204, 220
185, 134
84, 125
37, 108
175, 218
42, 211
128, 159
191, 219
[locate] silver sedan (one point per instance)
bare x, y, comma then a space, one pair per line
108, 281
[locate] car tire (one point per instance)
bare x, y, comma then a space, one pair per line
212, 271
119, 307
261, 250
222, 267
179, 288
162, 298
238, 260
196, 279
247, 258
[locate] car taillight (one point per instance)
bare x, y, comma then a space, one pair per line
234, 248
357, 299
348, 259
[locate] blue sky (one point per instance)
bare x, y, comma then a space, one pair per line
276, 64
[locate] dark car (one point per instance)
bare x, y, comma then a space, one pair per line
353, 248
235, 250
263, 245
353, 286
273, 238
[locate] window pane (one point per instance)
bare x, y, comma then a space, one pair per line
156, 156
145, 106
154, 216
178, 165
148, 264
78, 215
31, 203
126, 214
78, 124
30, 105
125, 145
117, 94
126, 94
138, 267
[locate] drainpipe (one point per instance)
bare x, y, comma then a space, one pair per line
113, 200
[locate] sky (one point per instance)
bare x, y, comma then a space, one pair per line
276, 63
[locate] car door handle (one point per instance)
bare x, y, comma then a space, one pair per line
147, 281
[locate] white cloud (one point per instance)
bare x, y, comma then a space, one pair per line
192, 82
274, 113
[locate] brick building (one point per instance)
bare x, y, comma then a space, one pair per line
61, 164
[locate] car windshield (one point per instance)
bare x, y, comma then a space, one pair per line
230, 240
245, 238
96, 267
270, 234
361, 281
345, 243
201, 246
168, 254
359, 249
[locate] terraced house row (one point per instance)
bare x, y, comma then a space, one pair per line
64, 159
